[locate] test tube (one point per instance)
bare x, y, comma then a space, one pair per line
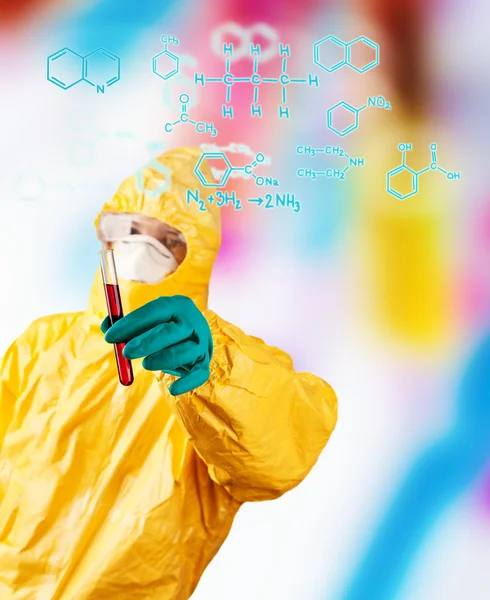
115, 311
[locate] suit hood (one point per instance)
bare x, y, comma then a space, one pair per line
172, 172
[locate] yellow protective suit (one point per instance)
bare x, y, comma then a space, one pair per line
118, 493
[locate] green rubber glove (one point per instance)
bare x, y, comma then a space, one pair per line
171, 335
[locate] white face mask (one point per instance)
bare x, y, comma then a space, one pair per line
143, 258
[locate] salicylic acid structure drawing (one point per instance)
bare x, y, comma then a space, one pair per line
99, 69
328, 173
404, 171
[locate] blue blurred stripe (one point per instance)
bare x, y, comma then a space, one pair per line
438, 478
115, 24
326, 207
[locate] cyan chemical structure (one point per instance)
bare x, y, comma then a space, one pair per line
165, 64
256, 80
328, 173
201, 126
347, 53
228, 79
226, 199
99, 69
228, 169
376, 101
413, 176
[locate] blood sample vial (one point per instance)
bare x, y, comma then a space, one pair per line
115, 311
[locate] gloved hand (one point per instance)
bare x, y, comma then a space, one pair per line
172, 335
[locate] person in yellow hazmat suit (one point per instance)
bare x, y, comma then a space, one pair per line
127, 493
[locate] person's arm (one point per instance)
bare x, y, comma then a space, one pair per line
257, 424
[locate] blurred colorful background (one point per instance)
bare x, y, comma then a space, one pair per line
387, 299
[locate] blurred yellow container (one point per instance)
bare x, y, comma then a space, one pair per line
405, 244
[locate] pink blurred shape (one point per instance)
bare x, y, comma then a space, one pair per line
474, 284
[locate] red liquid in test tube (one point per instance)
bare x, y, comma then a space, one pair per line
114, 308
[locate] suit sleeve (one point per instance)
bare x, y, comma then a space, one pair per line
257, 424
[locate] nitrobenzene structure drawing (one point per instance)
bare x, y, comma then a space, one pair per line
332, 42
99, 69
165, 64
328, 173
200, 126
407, 177
353, 113
228, 169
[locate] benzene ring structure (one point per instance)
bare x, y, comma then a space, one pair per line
347, 58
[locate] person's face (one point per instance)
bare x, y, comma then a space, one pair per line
165, 234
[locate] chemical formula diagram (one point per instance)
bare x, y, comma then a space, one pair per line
404, 171
165, 64
347, 47
102, 69
269, 201
201, 126
228, 170
228, 79
221, 198
99, 69
345, 107
328, 173
284, 79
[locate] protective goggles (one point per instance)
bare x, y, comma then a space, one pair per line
116, 226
